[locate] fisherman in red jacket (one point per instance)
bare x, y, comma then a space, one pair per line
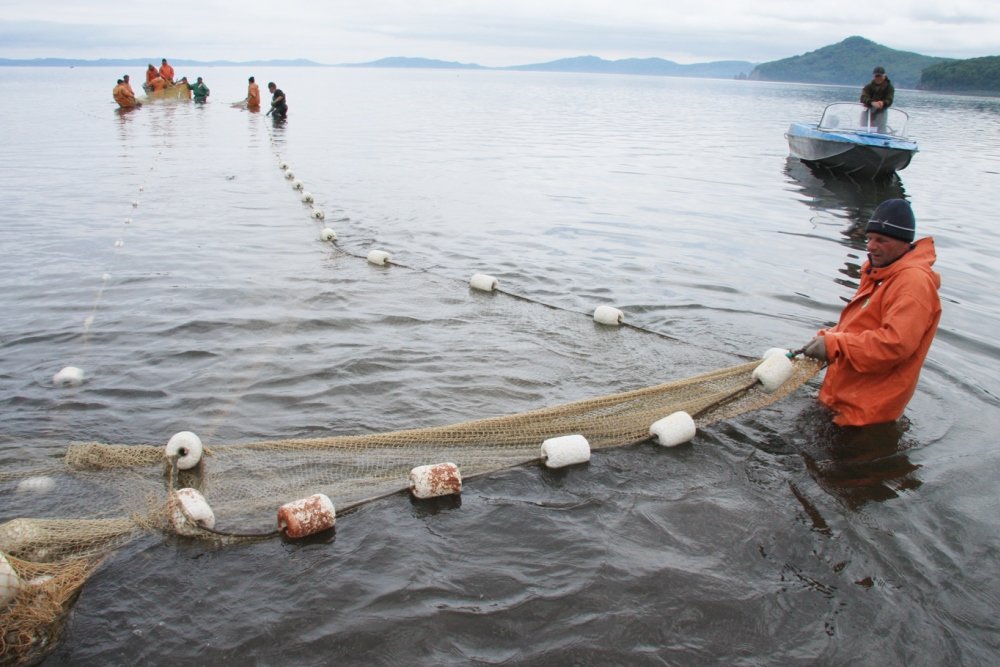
876, 350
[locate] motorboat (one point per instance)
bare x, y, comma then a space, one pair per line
850, 139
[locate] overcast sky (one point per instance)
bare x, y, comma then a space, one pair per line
488, 32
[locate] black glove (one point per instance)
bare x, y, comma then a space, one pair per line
816, 348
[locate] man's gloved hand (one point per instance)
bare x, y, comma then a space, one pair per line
816, 348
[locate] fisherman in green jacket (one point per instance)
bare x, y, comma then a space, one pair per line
877, 97
199, 90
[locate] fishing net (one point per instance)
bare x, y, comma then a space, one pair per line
120, 492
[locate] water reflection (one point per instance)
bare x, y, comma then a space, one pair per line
858, 465
830, 191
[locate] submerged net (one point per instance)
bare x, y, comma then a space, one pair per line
125, 490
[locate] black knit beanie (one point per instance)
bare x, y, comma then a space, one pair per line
894, 218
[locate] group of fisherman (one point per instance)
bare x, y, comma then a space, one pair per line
160, 79
157, 80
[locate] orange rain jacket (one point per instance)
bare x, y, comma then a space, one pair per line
167, 72
877, 348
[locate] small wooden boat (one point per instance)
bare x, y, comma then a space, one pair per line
849, 139
178, 91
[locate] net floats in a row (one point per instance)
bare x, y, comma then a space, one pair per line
10, 583
305, 517
775, 370
70, 376
483, 282
186, 447
566, 450
379, 257
608, 315
436, 480
189, 512
674, 429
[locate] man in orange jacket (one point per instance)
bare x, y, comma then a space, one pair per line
167, 72
876, 350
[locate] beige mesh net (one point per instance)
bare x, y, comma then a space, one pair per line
126, 489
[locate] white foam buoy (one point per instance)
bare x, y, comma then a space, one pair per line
565, 451
483, 282
438, 479
289, 175
379, 257
774, 350
39, 484
128, 221
189, 510
773, 372
119, 243
297, 184
187, 447
318, 213
10, 583
283, 166
674, 429
327, 234
105, 277
135, 204
608, 315
71, 376
306, 197
308, 516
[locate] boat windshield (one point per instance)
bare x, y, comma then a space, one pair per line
845, 116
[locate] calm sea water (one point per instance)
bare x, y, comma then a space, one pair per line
212, 305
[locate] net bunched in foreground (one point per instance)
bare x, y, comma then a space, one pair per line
125, 489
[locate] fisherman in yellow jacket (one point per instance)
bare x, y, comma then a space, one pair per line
876, 350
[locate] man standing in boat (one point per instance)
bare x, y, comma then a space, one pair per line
877, 97
279, 107
875, 352
167, 72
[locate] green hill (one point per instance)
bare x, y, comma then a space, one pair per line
849, 62
979, 76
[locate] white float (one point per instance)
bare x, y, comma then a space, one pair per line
674, 429
188, 510
306, 197
283, 166
39, 484
187, 447
307, 516
297, 184
327, 234
135, 204
483, 282
608, 315
10, 583
773, 372
71, 376
438, 479
565, 451
289, 175
318, 213
379, 257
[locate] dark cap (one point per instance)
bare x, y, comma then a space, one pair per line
878, 70
894, 218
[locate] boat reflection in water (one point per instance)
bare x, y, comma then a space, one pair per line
844, 197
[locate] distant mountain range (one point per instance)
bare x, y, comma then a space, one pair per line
849, 62
724, 69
